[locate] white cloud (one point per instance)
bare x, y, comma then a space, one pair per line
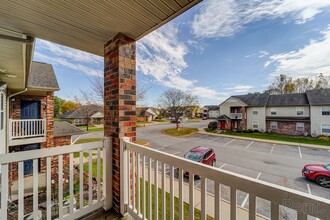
239, 88
69, 53
69, 64
225, 18
263, 53
312, 59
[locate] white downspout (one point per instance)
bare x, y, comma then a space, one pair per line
7, 106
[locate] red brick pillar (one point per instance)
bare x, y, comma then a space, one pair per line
120, 100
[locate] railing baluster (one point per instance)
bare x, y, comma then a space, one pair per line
149, 190
4, 191
144, 187
71, 182
98, 177
274, 211
181, 212
128, 177
49, 188
217, 199
133, 181
252, 207
172, 192
20, 190
60, 184
90, 178
35, 188
81, 180
164, 191
138, 201
233, 201
156, 189
203, 194
191, 196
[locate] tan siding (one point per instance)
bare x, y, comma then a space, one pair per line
288, 111
317, 119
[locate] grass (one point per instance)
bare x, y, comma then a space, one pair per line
141, 142
180, 132
161, 120
91, 128
94, 168
277, 137
143, 122
88, 140
194, 120
160, 201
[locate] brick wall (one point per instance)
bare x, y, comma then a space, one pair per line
289, 128
120, 100
61, 141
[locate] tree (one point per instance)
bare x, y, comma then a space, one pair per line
68, 106
281, 85
58, 102
177, 102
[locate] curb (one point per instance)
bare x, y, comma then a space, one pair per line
269, 141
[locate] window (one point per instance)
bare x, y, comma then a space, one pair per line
255, 111
273, 111
255, 125
78, 121
273, 124
300, 110
326, 128
300, 126
325, 110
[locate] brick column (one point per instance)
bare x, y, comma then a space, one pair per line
120, 100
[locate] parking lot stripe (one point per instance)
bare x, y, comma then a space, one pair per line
271, 151
222, 165
176, 152
309, 189
258, 176
214, 139
300, 152
230, 142
247, 196
249, 145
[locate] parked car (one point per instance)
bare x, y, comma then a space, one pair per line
175, 121
201, 154
204, 118
320, 173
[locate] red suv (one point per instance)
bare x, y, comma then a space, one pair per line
204, 155
319, 173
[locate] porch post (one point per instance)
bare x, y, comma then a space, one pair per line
119, 101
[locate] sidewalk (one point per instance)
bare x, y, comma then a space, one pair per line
202, 131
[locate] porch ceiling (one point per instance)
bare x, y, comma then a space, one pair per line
86, 25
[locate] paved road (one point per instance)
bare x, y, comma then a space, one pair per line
278, 164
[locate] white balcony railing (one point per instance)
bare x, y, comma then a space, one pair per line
142, 167
26, 128
67, 187
235, 115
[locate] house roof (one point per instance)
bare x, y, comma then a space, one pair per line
212, 107
82, 111
318, 97
42, 76
259, 99
2, 85
288, 99
143, 112
63, 128
223, 117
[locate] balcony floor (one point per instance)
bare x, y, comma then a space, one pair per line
105, 215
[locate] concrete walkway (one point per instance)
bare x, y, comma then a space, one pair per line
202, 131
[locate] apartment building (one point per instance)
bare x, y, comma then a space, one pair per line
211, 111
291, 114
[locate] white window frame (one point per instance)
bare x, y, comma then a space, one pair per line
255, 123
273, 110
326, 128
300, 109
298, 124
327, 109
274, 123
255, 110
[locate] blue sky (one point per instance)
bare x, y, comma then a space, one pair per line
215, 50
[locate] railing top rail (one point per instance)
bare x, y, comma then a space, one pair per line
40, 119
278, 194
47, 152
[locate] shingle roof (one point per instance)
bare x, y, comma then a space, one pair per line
254, 99
82, 111
42, 76
288, 99
2, 84
223, 117
142, 112
63, 128
318, 97
212, 107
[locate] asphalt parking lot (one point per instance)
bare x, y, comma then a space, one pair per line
278, 164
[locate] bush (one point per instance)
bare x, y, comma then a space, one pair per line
239, 131
323, 138
256, 130
213, 125
248, 131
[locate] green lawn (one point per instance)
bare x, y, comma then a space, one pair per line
88, 140
143, 122
194, 120
276, 137
161, 120
91, 128
94, 168
176, 205
180, 132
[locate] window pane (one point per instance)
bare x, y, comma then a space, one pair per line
326, 128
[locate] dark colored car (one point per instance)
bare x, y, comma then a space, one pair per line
204, 118
175, 121
203, 155
319, 173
